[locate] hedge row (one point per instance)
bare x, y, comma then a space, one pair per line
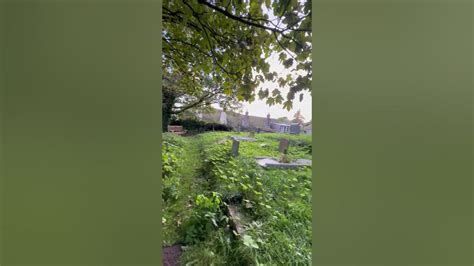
201, 126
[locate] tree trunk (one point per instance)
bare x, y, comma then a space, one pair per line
168, 103
166, 119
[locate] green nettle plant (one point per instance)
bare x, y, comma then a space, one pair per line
240, 182
206, 217
169, 162
170, 188
171, 150
170, 182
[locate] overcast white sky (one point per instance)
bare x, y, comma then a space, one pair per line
260, 108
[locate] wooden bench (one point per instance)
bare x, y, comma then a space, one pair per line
176, 130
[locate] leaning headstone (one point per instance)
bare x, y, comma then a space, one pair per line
235, 147
284, 144
236, 218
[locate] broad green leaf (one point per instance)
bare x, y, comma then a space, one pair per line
267, 3
249, 241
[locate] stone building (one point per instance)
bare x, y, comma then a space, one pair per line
247, 122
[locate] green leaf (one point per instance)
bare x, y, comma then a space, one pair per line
270, 101
279, 99
267, 3
288, 63
282, 56
249, 241
254, 7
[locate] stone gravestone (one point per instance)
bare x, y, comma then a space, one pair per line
235, 147
237, 219
252, 134
295, 129
284, 144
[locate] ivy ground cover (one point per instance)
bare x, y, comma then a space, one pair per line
201, 179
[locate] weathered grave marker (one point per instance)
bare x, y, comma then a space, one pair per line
236, 219
284, 144
252, 134
268, 162
235, 147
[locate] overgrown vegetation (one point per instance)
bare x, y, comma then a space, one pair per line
172, 149
200, 126
276, 203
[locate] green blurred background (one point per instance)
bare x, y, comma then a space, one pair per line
81, 133
80, 118
393, 132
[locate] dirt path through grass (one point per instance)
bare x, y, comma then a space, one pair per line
190, 185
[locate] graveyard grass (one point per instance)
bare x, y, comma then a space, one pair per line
201, 178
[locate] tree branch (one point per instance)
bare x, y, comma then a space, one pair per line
232, 16
191, 105
188, 44
208, 40
283, 47
250, 23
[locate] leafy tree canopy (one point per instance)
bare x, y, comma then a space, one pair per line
201, 93
283, 119
229, 42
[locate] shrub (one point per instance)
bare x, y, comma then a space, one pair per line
200, 126
206, 217
171, 151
